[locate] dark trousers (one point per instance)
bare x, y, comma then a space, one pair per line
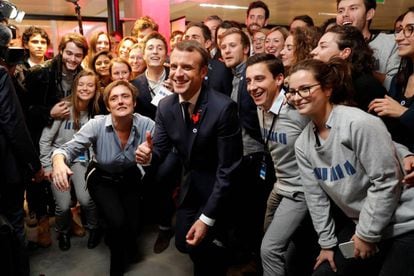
208, 258
13, 255
395, 256
248, 207
40, 198
118, 198
160, 183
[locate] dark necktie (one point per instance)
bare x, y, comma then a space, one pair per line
185, 106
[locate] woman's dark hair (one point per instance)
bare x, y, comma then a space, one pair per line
335, 75
406, 66
96, 56
361, 56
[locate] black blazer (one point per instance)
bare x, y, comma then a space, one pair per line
210, 149
144, 105
219, 77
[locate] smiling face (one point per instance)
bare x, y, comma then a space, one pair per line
327, 47
121, 103
185, 72
72, 56
316, 101
155, 53
406, 44
288, 52
124, 48
274, 43
255, 20
262, 86
232, 50
102, 65
353, 12
86, 88
136, 60
259, 42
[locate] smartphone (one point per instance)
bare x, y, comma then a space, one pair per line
347, 249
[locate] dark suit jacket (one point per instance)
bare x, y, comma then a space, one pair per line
219, 77
211, 149
144, 105
17, 152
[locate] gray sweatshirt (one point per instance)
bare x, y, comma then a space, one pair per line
288, 124
358, 167
60, 132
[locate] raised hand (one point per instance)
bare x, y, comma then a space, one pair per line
144, 151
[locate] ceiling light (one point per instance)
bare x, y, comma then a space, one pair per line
327, 13
231, 7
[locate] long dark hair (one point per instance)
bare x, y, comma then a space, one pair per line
361, 55
406, 66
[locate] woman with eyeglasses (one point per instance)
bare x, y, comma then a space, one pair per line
352, 177
398, 107
259, 38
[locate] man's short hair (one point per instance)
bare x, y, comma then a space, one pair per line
213, 17
369, 4
78, 39
193, 46
274, 64
34, 30
155, 35
259, 4
243, 36
204, 29
112, 85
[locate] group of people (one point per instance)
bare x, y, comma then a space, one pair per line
271, 147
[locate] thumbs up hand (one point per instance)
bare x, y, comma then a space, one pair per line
144, 151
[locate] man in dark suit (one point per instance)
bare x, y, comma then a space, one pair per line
202, 125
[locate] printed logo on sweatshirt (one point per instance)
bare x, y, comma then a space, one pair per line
278, 137
334, 173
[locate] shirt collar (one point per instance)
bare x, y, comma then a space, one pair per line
239, 69
193, 99
278, 102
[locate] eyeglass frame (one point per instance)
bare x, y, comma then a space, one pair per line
290, 93
405, 29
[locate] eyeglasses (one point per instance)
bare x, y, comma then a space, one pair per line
303, 92
407, 30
